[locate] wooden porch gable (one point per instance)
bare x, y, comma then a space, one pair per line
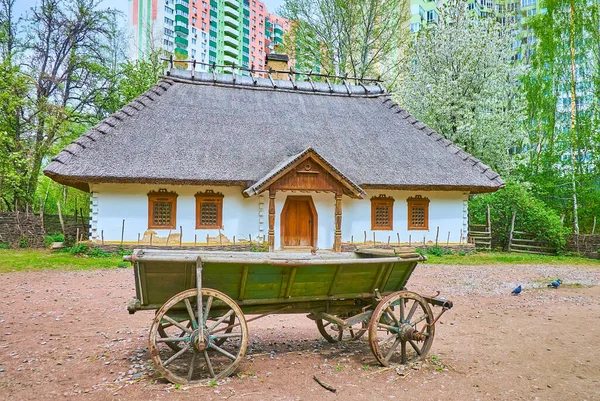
306, 172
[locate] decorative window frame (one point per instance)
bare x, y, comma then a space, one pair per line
209, 196
420, 202
162, 195
382, 201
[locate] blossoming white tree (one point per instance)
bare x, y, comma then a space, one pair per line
459, 79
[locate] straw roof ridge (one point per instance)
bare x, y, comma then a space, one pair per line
108, 125
446, 143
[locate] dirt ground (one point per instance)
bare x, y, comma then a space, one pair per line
67, 335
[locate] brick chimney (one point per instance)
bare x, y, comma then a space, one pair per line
278, 62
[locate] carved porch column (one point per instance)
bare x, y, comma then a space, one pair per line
271, 220
337, 237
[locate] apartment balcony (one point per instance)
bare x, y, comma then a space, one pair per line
229, 31
230, 59
182, 19
181, 42
231, 12
231, 51
183, 53
229, 41
182, 30
182, 8
232, 3
231, 21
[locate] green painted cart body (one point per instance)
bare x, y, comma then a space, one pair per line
340, 291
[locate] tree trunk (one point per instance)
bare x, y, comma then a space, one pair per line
573, 113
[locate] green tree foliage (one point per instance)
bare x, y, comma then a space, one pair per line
533, 216
563, 111
136, 77
358, 37
60, 76
461, 82
14, 87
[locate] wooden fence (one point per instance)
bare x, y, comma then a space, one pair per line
523, 242
481, 234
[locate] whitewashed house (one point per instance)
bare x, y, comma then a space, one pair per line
220, 158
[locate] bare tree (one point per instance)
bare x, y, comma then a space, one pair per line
69, 52
8, 28
358, 37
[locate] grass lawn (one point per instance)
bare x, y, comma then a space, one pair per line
41, 259
12, 260
493, 258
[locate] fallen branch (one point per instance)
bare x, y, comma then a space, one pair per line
380, 371
325, 385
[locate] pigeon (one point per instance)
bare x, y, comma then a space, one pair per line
555, 284
516, 291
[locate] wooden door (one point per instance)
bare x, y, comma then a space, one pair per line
298, 222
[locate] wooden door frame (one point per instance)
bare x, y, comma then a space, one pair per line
315, 218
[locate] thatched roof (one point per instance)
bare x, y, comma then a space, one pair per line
223, 129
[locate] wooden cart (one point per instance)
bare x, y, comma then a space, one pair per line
195, 339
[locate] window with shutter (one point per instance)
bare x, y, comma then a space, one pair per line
418, 213
382, 213
209, 209
162, 209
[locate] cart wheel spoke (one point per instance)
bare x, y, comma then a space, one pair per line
171, 339
388, 339
385, 326
402, 316
225, 336
177, 355
412, 311
221, 320
173, 333
188, 306
415, 346
392, 349
191, 371
335, 333
222, 351
420, 319
207, 308
176, 323
176, 350
208, 363
403, 351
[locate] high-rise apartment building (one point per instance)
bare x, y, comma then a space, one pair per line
224, 32
424, 12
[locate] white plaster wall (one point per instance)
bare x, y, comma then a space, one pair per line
115, 202
111, 203
446, 211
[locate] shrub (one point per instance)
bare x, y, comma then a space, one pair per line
98, 253
49, 239
78, 249
4, 245
264, 247
23, 242
533, 215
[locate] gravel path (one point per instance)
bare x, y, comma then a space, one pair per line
67, 334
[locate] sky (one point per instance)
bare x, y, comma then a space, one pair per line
21, 6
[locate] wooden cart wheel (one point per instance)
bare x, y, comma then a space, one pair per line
162, 330
212, 356
332, 333
401, 328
